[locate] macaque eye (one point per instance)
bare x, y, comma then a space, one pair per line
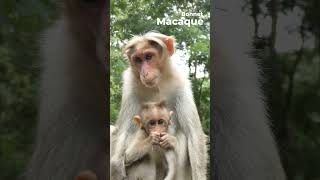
138, 60
152, 122
161, 121
148, 57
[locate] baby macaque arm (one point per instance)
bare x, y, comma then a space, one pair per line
137, 150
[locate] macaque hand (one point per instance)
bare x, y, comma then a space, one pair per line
167, 141
155, 138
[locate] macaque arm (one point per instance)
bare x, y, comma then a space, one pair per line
137, 150
188, 118
168, 141
124, 123
125, 128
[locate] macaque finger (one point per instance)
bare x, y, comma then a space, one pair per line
155, 140
163, 134
164, 137
154, 134
155, 137
164, 144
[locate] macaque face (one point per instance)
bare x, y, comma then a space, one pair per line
154, 118
156, 125
146, 61
148, 56
88, 20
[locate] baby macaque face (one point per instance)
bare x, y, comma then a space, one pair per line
155, 117
157, 125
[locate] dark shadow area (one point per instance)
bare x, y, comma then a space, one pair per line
283, 38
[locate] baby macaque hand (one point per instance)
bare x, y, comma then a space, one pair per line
167, 141
155, 138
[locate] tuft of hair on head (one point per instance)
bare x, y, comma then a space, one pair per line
162, 42
162, 104
147, 105
169, 41
130, 45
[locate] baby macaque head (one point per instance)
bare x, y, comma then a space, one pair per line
154, 117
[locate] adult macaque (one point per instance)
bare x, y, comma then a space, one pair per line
151, 76
153, 148
73, 98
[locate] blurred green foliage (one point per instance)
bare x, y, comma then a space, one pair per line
21, 23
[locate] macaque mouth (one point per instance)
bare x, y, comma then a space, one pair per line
150, 83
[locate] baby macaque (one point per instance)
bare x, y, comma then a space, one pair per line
153, 149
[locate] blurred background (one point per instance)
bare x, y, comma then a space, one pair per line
21, 27
285, 41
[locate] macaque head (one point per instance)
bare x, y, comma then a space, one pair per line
154, 117
87, 19
149, 55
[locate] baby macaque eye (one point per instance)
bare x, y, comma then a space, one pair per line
148, 56
152, 122
161, 121
138, 60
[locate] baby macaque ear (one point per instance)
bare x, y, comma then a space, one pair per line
170, 121
169, 41
137, 120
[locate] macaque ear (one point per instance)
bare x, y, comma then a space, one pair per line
171, 113
170, 44
126, 52
170, 121
137, 120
